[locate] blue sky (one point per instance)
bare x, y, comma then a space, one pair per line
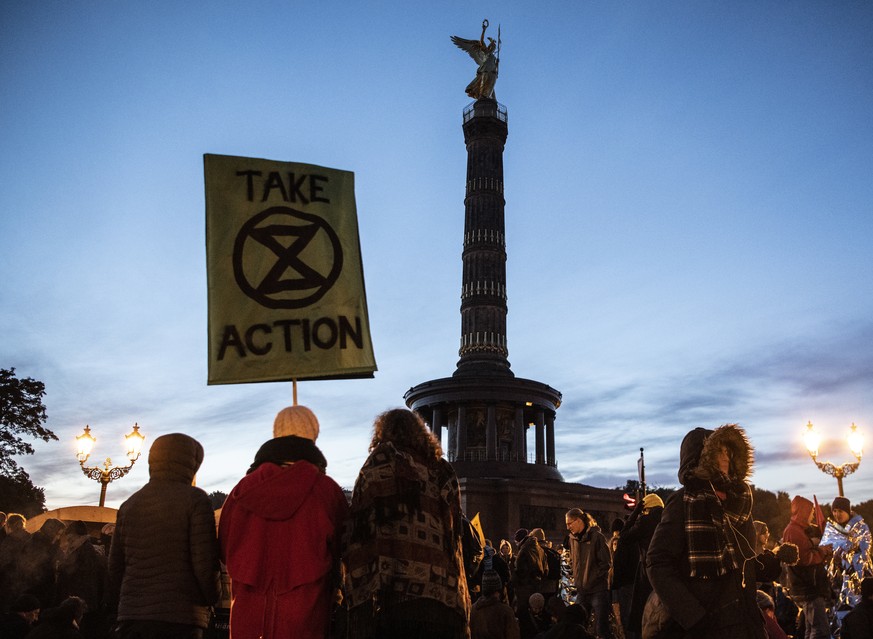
689, 211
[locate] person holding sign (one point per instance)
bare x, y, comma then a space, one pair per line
280, 536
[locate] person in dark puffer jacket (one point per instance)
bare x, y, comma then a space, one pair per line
163, 562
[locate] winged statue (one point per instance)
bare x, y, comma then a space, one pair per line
483, 54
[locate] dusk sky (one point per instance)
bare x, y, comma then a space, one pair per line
689, 214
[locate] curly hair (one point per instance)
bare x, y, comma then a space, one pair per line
407, 431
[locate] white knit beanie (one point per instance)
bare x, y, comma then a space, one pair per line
296, 420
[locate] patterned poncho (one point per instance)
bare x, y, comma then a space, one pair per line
404, 541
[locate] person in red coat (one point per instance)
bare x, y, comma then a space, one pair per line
807, 579
280, 533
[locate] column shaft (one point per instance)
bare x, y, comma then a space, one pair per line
462, 433
550, 440
436, 425
519, 436
491, 434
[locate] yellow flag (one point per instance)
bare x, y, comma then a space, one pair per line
477, 526
284, 273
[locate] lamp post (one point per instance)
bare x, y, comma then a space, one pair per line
84, 444
855, 439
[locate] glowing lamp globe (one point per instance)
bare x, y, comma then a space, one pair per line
812, 439
84, 444
134, 442
856, 441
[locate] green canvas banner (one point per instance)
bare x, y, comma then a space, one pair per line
284, 273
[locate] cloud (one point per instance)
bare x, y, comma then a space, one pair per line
761, 388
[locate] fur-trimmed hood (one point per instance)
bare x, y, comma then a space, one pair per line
698, 455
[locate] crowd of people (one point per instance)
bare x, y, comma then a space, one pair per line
402, 560
55, 576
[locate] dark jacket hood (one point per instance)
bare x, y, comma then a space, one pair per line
175, 457
698, 454
276, 492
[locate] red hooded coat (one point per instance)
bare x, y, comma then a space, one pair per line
807, 579
795, 532
279, 534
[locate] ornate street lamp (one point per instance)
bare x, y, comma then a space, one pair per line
84, 444
855, 439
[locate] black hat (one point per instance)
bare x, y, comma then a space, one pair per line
842, 503
78, 527
51, 527
520, 534
491, 582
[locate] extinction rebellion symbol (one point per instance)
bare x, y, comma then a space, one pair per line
284, 258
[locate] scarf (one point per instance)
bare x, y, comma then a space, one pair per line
287, 450
711, 525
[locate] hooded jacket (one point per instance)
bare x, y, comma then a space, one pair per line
807, 579
280, 534
531, 564
705, 606
163, 562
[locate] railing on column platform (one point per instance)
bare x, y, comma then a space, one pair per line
486, 108
479, 455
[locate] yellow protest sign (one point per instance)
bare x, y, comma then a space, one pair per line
284, 273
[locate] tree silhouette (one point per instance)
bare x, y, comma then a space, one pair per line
216, 497
774, 509
22, 414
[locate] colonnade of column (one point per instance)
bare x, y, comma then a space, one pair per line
544, 434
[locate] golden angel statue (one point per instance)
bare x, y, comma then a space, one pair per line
482, 85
